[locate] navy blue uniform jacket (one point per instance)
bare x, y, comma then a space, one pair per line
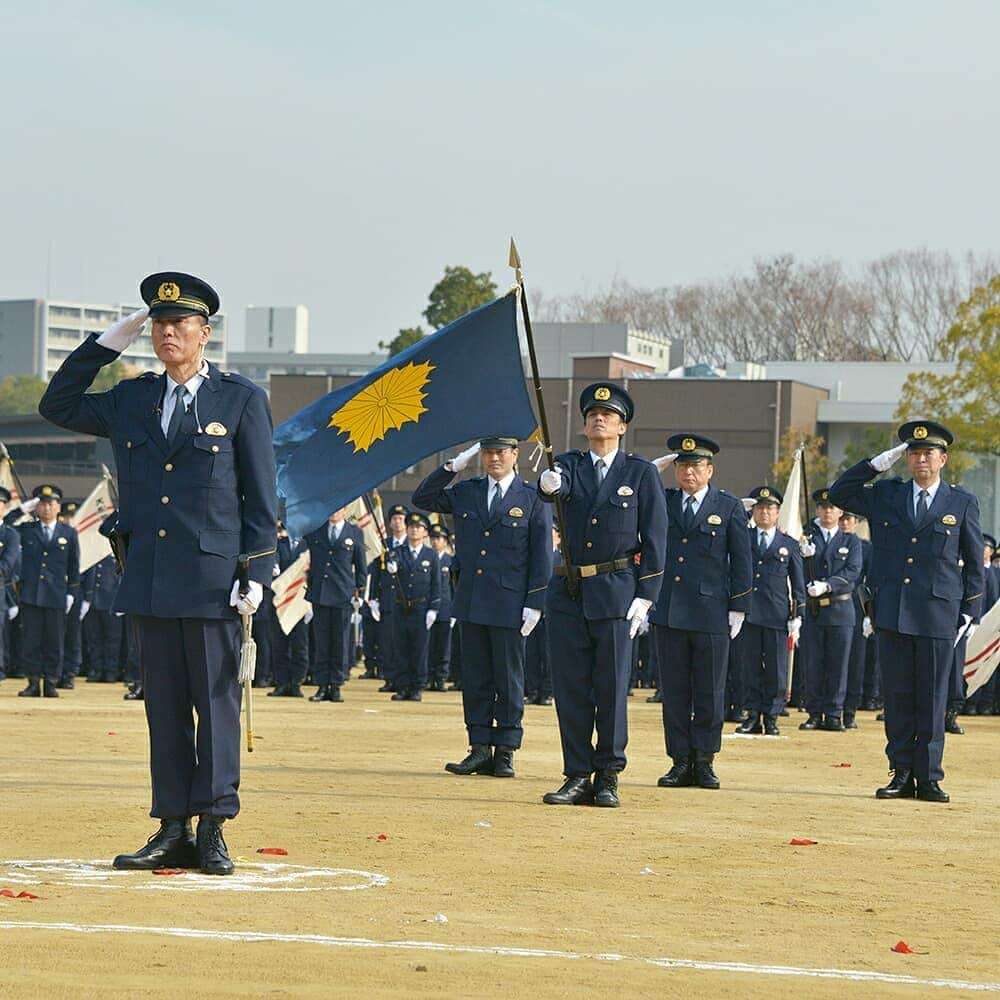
624, 518
99, 585
336, 570
49, 570
10, 561
779, 565
506, 557
839, 562
924, 576
708, 569
189, 509
417, 584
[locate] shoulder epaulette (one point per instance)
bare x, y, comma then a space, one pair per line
145, 376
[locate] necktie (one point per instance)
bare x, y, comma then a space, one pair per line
601, 471
177, 416
496, 496
48, 533
332, 533
688, 512
922, 505
761, 540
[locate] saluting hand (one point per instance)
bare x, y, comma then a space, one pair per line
122, 334
885, 460
664, 460
462, 459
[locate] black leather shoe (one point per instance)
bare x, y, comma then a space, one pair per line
333, 693
134, 693
479, 761
172, 846
704, 775
213, 856
655, 698
438, 685
900, 787
813, 722
49, 689
544, 699
320, 694
880, 717
606, 789
412, 696
503, 762
734, 715
281, 691
832, 724
784, 713
65, 683
679, 776
931, 791
849, 720
368, 675
33, 690
386, 687
771, 726
294, 691
454, 687
951, 723
574, 792
750, 726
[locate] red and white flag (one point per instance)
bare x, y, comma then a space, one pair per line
289, 588
88, 519
982, 652
373, 530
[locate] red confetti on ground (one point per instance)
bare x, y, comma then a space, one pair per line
902, 948
381, 836
802, 842
169, 871
111, 732
10, 894
271, 850
842, 764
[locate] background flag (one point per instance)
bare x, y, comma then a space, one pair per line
357, 513
790, 518
87, 521
289, 589
461, 383
982, 652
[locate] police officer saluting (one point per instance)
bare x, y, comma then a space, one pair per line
775, 612
50, 579
10, 570
615, 521
701, 608
927, 578
196, 477
502, 540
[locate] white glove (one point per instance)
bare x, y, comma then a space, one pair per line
550, 481
736, 623
119, 614
867, 629
462, 459
390, 567
530, 617
249, 604
644, 627
276, 571
356, 603
308, 616
970, 632
664, 460
636, 614
355, 618
807, 548
817, 588
963, 629
12, 611
430, 618
29, 505
451, 622
887, 459
84, 608
373, 607
748, 503
122, 334
795, 629
69, 602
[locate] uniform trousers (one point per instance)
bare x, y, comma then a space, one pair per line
537, 676
130, 657
827, 650
389, 629
370, 642
332, 638
590, 662
290, 656
103, 632
493, 684
872, 688
956, 682
72, 643
410, 648
855, 669
916, 671
191, 665
42, 634
693, 689
439, 650
761, 656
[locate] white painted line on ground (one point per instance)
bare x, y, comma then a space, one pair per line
854, 975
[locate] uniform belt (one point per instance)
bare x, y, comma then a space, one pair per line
815, 603
595, 568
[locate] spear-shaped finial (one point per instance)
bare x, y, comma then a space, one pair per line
514, 260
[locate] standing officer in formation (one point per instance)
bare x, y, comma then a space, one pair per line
385, 597
102, 628
503, 539
72, 657
290, 653
857, 659
984, 702
616, 527
50, 580
439, 644
10, 571
196, 478
779, 593
337, 577
833, 569
537, 675
701, 608
927, 579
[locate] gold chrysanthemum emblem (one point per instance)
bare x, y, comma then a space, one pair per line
397, 398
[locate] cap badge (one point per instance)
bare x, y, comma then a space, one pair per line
603, 393
714, 519
920, 432
825, 495
949, 519
169, 291
46, 491
516, 512
216, 429
625, 491
765, 492
688, 444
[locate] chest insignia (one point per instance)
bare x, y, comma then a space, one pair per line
782, 551
215, 429
61, 541
516, 512
625, 491
348, 542
425, 563
949, 519
714, 519
842, 552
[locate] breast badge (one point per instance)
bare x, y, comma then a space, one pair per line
516, 512
216, 429
949, 519
714, 519
625, 491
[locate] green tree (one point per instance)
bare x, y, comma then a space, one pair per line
816, 460
874, 438
402, 340
20, 394
457, 293
110, 375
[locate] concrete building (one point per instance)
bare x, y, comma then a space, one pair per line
277, 328
260, 366
556, 344
36, 335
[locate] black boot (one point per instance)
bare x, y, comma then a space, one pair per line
574, 792
900, 787
294, 691
771, 726
679, 776
333, 693
951, 723
751, 725
832, 724
172, 846
65, 683
931, 791
320, 694
134, 693
704, 775
849, 720
479, 761
281, 691
503, 762
33, 690
403, 694
213, 856
49, 688
606, 789
813, 722
655, 698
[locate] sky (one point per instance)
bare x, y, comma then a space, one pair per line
341, 155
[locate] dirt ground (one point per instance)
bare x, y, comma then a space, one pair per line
678, 893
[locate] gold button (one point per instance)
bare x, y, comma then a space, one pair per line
215, 447
164, 499
680, 558
162, 533
590, 545
910, 559
906, 579
913, 540
479, 572
482, 552
593, 520
169, 467
486, 534
677, 579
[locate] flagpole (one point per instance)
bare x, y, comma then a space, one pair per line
514, 261
370, 507
13, 471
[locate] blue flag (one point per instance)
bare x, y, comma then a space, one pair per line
463, 382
